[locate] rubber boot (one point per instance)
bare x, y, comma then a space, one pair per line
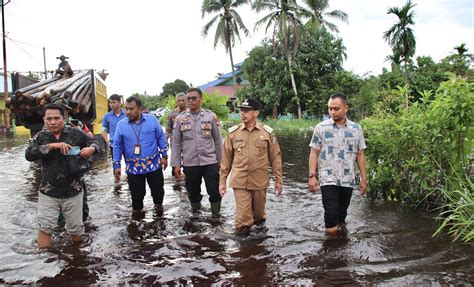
196, 206
216, 208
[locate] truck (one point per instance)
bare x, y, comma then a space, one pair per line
86, 87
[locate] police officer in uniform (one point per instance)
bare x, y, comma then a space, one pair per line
248, 150
197, 145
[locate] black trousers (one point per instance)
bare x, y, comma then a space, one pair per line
194, 175
111, 148
136, 184
336, 200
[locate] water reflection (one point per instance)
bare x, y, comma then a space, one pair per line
384, 243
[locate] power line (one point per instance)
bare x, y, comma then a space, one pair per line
14, 42
22, 42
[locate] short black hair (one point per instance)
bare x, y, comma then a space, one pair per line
340, 96
73, 104
115, 97
136, 100
60, 108
197, 90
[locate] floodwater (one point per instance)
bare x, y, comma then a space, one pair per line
385, 244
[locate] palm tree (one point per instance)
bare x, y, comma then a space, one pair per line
317, 15
400, 36
229, 24
285, 18
461, 49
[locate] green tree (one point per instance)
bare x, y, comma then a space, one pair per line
400, 36
317, 14
317, 68
229, 24
172, 88
460, 61
269, 82
285, 17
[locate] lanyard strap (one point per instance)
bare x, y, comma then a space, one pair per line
139, 131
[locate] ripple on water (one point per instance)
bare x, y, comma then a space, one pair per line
384, 243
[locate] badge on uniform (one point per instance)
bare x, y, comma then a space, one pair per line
137, 149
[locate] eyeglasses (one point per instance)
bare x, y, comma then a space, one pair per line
191, 98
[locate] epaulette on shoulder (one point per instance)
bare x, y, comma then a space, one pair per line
268, 129
233, 128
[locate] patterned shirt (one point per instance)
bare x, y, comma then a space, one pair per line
57, 180
149, 134
338, 148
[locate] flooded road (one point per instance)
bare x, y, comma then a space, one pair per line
385, 243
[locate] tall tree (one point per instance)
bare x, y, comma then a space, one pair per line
229, 24
400, 36
285, 17
172, 88
317, 15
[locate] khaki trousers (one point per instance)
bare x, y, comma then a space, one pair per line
250, 207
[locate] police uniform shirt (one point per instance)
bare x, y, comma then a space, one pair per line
196, 139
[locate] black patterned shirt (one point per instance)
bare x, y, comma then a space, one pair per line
57, 180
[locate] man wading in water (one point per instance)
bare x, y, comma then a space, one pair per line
336, 144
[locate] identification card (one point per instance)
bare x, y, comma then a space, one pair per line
137, 149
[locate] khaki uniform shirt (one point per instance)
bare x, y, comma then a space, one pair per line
196, 139
248, 154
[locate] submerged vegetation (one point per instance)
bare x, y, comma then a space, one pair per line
416, 154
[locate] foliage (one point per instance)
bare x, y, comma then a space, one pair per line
229, 23
269, 79
151, 102
290, 126
217, 104
400, 36
285, 17
412, 152
317, 69
457, 213
317, 14
173, 88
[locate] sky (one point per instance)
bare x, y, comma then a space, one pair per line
144, 44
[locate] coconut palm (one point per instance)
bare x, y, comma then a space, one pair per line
400, 36
284, 18
229, 24
317, 15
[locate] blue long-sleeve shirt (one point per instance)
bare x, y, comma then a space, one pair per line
109, 123
152, 142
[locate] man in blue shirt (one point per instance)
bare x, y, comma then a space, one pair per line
111, 119
141, 140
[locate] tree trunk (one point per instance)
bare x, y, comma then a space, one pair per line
274, 111
293, 84
406, 83
229, 47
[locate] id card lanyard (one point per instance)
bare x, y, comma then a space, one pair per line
137, 149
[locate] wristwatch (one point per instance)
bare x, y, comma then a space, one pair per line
311, 174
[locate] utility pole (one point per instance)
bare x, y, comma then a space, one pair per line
6, 116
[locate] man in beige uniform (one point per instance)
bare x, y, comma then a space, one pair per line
248, 150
